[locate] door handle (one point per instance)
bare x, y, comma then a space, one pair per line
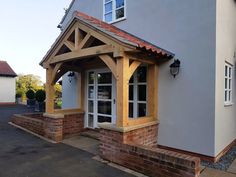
114, 101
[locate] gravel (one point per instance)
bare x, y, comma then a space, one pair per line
224, 162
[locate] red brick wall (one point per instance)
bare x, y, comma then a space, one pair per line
145, 159
143, 136
53, 128
32, 124
73, 124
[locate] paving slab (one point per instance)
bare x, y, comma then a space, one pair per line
84, 143
232, 167
209, 172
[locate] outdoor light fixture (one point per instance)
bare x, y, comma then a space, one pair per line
71, 75
174, 68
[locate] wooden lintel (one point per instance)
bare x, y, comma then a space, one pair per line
110, 63
83, 53
142, 58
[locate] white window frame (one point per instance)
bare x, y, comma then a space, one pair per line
228, 83
135, 100
113, 11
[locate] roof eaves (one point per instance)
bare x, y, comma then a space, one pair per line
66, 12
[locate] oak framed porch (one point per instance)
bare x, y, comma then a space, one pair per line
88, 44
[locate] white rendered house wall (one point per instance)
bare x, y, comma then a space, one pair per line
7, 90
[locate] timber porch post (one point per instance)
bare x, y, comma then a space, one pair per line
49, 91
122, 91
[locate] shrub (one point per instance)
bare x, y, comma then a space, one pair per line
18, 94
30, 94
40, 95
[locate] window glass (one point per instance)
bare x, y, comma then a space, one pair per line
104, 78
108, 17
91, 77
91, 92
141, 109
104, 119
90, 120
120, 3
120, 13
131, 92
142, 74
138, 93
114, 10
104, 107
104, 92
131, 110
141, 92
90, 106
108, 7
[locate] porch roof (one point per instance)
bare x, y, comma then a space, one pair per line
117, 34
121, 35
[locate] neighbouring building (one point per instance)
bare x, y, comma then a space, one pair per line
114, 57
7, 84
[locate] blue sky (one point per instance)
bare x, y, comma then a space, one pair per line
28, 29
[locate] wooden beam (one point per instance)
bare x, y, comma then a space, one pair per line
110, 63
49, 91
134, 65
83, 53
83, 42
106, 38
59, 75
141, 58
70, 45
78, 36
122, 91
152, 90
55, 71
72, 68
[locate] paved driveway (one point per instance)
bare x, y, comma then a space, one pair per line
24, 155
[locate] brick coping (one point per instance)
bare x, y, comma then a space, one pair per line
26, 117
109, 126
61, 115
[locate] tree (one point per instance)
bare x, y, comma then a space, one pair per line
28, 82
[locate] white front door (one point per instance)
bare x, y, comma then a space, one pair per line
101, 94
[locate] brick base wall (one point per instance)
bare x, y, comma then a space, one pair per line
146, 159
73, 124
142, 136
33, 124
55, 128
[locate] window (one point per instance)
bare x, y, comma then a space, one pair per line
114, 10
228, 84
138, 93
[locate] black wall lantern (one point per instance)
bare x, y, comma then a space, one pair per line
174, 68
71, 75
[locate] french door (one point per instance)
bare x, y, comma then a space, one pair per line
101, 94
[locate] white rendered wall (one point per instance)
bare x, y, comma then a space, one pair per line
70, 92
7, 89
225, 123
186, 104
